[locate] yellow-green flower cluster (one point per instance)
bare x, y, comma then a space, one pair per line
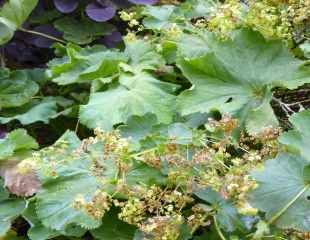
225, 18
269, 18
97, 207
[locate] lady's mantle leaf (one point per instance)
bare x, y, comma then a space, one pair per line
299, 138
12, 16
226, 213
82, 32
236, 76
158, 17
136, 95
15, 141
34, 111
16, 89
142, 56
65, 176
38, 231
9, 209
55, 200
84, 65
138, 128
113, 229
283, 192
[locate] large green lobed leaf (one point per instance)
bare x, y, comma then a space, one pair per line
298, 139
15, 142
12, 16
136, 93
16, 89
283, 192
236, 76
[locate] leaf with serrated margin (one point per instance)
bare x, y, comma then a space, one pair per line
283, 192
226, 213
10, 208
34, 111
12, 15
65, 176
16, 89
16, 141
38, 232
298, 139
85, 65
82, 32
236, 77
137, 94
113, 228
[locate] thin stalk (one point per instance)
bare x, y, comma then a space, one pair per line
143, 152
42, 35
217, 228
284, 209
2, 58
290, 203
77, 126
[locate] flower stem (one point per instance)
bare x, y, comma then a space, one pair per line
218, 229
42, 35
290, 203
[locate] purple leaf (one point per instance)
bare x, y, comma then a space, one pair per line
121, 3
66, 6
25, 55
2, 134
112, 39
143, 2
101, 12
2, 2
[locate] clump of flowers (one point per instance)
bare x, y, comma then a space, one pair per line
225, 18
155, 211
133, 211
160, 211
198, 217
163, 227
96, 207
173, 32
270, 18
132, 18
274, 19
129, 17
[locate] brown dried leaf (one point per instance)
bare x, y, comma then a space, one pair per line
20, 184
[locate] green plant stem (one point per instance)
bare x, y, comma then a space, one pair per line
218, 229
2, 58
42, 35
290, 203
143, 152
77, 126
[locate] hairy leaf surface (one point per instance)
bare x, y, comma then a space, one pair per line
136, 95
283, 192
113, 229
16, 89
12, 16
236, 76
299, 138
10, 208
16, 141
